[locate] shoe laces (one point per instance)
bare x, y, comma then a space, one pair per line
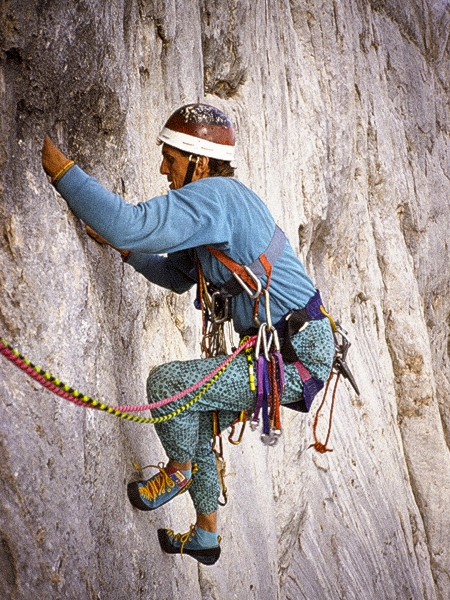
159, 484
156, 486
183, 538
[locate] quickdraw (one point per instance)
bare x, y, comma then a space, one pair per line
270, 380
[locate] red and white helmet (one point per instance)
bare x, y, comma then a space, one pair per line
200, 129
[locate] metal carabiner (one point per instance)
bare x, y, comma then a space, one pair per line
216, 435
254, 424
218, 453
241, 419
263, 328
271, 438
276, 339
258, 340
267, 342
341, 348
226, 308
250, 292
267, 308
221, 467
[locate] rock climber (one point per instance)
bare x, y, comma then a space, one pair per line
184, 239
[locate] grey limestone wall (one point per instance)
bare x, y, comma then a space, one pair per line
342, 115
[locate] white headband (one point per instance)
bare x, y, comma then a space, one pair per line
196, 145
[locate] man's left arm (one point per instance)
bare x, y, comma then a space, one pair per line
176, 271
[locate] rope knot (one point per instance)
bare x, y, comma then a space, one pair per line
319, 447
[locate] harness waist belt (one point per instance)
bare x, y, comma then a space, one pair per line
295, 321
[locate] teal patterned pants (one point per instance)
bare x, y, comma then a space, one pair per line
188, 436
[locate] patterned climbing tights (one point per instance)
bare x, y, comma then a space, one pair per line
188, 436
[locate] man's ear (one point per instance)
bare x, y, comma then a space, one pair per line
202, 167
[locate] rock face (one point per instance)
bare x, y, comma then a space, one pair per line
342, 113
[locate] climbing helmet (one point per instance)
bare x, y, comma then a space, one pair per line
200, 129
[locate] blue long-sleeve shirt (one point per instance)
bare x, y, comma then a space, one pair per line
217, 211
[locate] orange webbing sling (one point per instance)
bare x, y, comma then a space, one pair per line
260, 267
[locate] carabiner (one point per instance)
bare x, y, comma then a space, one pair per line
276, 339
258, 340
249, 291
271, 438
267, 309
254, 424
216, 435
345, 344
218, 453
226, 308
241, 419
267, 342
221, 473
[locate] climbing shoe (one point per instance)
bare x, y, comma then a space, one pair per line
189, 543
159, 489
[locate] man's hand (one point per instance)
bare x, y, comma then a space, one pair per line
94, 235
101, 240
55, 163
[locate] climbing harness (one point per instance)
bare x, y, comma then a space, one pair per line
269, 363
68, 393
270, 373
247, 278
268, 355
216, 311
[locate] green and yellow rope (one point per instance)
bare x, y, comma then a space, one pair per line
69, 393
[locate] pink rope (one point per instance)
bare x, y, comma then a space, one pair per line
39, 378
19, 362
250, 342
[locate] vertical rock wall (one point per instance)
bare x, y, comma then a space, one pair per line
342, 112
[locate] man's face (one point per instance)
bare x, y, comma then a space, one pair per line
174, 165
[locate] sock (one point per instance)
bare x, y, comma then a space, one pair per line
206, 539
179, 481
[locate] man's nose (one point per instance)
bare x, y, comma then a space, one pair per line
163, 168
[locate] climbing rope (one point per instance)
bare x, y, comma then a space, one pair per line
319, 446
124, 412
68, 393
